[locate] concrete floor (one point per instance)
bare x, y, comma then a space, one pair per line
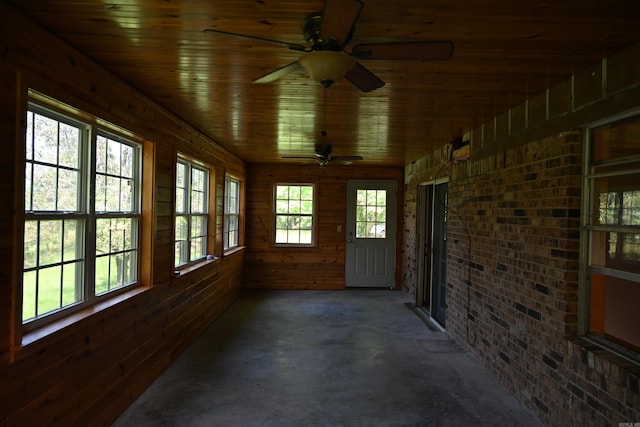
324, 358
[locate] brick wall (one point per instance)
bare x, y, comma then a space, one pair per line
521, 214
513, 249
513, 304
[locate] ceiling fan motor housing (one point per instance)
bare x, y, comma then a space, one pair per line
312, 28
323, 150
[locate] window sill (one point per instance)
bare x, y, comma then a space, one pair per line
607, 349
293, 246
234, 250
179, 272
58, 326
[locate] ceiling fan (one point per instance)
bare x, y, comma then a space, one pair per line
324, 58
322, 156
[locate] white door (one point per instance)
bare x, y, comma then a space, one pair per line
371, 234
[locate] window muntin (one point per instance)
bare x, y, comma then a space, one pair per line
64, 263
231, 213
294, 208
613, 232
371, 214
192, 212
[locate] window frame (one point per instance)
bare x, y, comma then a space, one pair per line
206, 214
85, 291
313, 215
588, 230
226, 230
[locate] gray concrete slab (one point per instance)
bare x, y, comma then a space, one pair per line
324, 358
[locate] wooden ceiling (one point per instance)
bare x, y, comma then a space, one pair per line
505, 52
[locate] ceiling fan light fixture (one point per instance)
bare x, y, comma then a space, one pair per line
326, 66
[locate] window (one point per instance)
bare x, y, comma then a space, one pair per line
294, 214
371, 214
82, 214
612, 229
192, 212
231, 213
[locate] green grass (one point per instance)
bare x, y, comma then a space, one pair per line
53, 295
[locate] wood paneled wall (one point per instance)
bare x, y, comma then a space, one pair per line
89, 371
320, 267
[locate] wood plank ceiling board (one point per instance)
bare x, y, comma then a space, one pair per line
505, 52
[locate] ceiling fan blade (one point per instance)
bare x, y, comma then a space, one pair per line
340, 162
299, 157
346, 158
280, 72
338, 19
421, 51
292, 46
363, 79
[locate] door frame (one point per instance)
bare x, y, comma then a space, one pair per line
424, 244
387, 280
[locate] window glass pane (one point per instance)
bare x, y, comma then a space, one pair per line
101, 154
126, 196
49, 290
198, 248
113, 194
613, 309
282, 192
50, 240
282, 206
102, 275
306, 193
181, 252
45, 139
305, 237
616, 200
72, 240
198, 226
127, 161
68, 190
44, 188
197, 202
306, 207
28, 187
182, 228
371, 213
198, 190
69, 145
180, 175
29, 295
70, 274
616, 140
614, 233
122, 263
113, 157
29, 136
180, 201
294, 206
294, 192
30, 244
